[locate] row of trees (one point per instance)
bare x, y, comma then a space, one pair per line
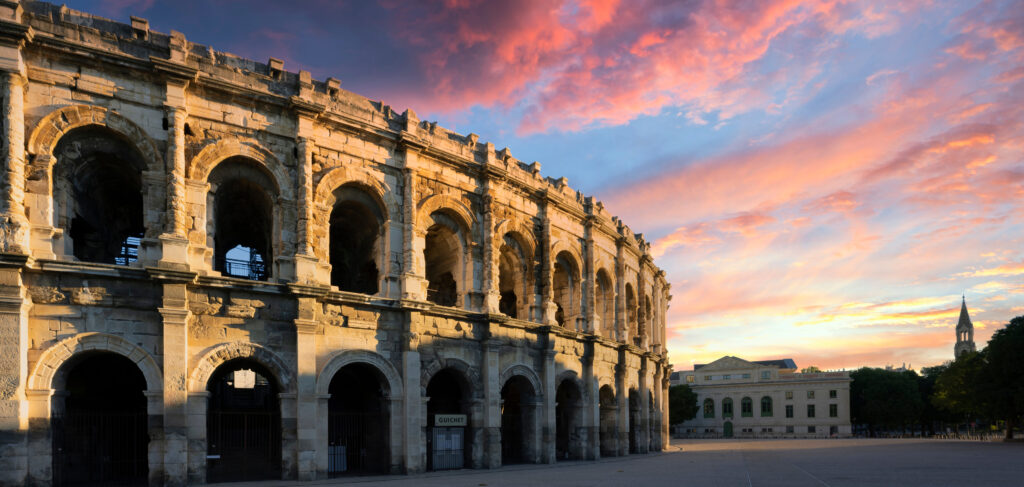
979, 387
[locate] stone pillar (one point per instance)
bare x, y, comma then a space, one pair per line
289, 435
13, 372
320, 447
547, 291
548, 424
14, 226
175, 240
589, 284
307, 402
622, 400
591, 427
663, 406
643, 430
175, 315
492, 403
621, 313
306, 263
413, 282
656, 419
414, 403
491, 252
197, 447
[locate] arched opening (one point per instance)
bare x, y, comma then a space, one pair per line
605, 303
98, 195
243, 423
357, 421
727, 407
565, 284
746, 407
709, 408
517, 418
241, 219
354, 230
631, 314
568, 420
634, 421
606, 399
442, 254
766, 406
100, 433
513, 283
448, 411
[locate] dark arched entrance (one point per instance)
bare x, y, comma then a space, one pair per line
568, 408
448, 436
608, 409
634, 421
243, 423
517, 419
100, 431
727, 432
357, 422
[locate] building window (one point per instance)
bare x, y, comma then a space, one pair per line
765, 374
810, 394
789, 395
833, 410
789, 429
789, 410
766, 406
811, 429
726, 377
746, 376
707, 377
689, 379
727, 407
709, 408
833, 430
810, 410
746, 407
832, 394
766, 430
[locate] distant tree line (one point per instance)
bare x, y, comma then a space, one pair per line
978, 388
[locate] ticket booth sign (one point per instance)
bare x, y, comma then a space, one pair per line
449, 420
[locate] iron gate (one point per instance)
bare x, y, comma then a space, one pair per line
243, 446
100, 449
356, 442
447, 448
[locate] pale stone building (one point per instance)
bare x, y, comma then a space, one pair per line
215, 269
769, 398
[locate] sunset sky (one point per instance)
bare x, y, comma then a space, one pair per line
820, 180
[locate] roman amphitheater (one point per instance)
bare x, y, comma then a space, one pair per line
215, 269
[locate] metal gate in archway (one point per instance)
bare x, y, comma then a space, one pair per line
357, 443
100, 449
243, 445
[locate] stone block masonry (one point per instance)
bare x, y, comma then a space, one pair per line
212, 269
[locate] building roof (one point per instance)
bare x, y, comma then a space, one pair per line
965, 319
782, 363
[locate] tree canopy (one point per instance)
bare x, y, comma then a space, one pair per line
884, 398
682, 404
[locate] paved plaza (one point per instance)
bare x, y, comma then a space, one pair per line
847, 462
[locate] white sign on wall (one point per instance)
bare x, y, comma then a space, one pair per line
450, 420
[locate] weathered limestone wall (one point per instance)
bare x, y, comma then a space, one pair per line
192, 122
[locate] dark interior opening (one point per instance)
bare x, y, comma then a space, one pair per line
515, 419
242, 216
357, 422
448, 447
606, 400
354, 228
101, 436
567, 421
243, 424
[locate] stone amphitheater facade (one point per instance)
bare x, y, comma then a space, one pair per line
189, 237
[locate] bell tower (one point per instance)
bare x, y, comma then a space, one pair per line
964, 333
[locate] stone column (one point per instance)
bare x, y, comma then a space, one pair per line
491, 252
306, 263
414, 405
14, 346
413, 282
307, 402
289, 435
547, 294
175, 315
14, 226
548, 424
591, 409
643, 430
197, 441
492, 402
621, 313
663, 406
622, 399
589, 276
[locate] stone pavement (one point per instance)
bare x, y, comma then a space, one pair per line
817, 462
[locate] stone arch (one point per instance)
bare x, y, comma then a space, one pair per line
454, 208
520, 232
373, 184
562, 246
57, 355
526, 372
470, 373
569, 375
49, 130
202, 164
346, 357
216, 356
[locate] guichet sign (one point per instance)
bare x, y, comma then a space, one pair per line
449, 420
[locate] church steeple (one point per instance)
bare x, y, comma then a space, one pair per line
964, 332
